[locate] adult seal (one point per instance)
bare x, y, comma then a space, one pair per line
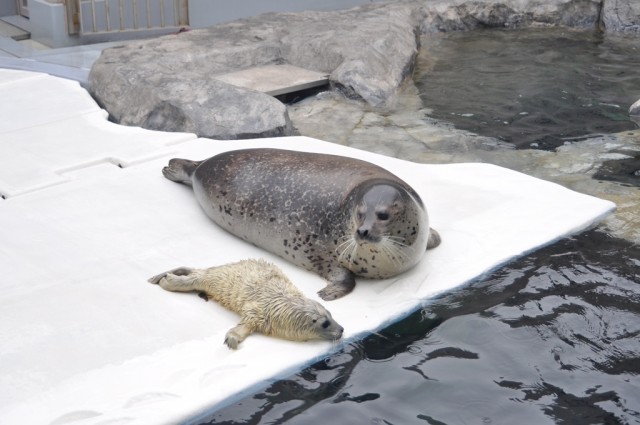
339, 217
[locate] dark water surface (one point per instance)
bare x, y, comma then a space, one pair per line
551, 338
533, 87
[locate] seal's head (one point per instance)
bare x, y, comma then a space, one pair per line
388, 234
321, 323
302, 319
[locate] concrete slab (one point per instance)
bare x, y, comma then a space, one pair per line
275, 80
36, 46
72, 63
81, 75
18, 21
11, 47
9, 30
77, 57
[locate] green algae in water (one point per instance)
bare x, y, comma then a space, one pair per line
535, 88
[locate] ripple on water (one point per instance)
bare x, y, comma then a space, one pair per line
531, 87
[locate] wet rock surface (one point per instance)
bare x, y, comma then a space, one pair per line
625, 170
463, 15
621, 16
369, 51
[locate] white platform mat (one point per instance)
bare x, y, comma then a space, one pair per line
50, 126
86, 340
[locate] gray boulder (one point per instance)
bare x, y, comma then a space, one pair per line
166, 83
368, 51
465, 15
195, 104
621, 15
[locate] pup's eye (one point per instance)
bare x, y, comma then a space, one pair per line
382, 216
325, 324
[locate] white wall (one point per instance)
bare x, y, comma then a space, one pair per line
48, 24
8, 8
204, 13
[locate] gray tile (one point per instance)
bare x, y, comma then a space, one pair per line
275, 79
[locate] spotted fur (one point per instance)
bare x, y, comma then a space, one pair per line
318, 211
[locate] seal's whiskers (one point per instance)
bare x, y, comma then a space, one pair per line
394, 249
348, 252
398, 240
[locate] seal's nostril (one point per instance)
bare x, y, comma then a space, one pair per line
363, 232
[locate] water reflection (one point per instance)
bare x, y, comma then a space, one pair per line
552, 338
534, 88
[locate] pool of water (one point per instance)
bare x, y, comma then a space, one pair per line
533, 88
553, 337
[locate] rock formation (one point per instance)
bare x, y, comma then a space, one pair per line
166, 83
621, 16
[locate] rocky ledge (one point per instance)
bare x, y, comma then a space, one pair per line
166, 83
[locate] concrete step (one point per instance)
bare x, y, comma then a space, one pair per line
15, 27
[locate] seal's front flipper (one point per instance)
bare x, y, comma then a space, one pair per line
434, 239
180, 170
182, 279
338, 286
236, 335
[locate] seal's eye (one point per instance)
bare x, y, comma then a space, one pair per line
325, 324
383, 216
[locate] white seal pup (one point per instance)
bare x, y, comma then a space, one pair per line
337, 216
262, 295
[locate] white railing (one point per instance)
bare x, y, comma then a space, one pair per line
87, 17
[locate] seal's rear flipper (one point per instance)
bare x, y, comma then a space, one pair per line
180, 170
180, 271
